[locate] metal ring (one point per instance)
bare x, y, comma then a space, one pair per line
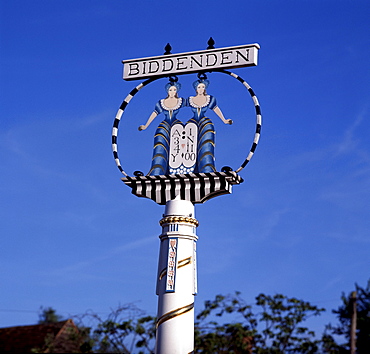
118, 119
257, 107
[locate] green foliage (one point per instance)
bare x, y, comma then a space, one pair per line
228, 325
272, 325
49, 315
126, 330
344, 313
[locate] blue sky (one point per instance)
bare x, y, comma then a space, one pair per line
74, 238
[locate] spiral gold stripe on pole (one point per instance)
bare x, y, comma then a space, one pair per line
172, 314
184, 262
180, 264
163, 273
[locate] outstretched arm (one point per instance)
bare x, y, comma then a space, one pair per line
219, 113
150, 119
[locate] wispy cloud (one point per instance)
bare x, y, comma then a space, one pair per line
49, 150
268, 228
351, 185
349, 142
80, 269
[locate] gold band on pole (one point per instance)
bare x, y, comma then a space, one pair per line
178, 219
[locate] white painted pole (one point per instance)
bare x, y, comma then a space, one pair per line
177, 279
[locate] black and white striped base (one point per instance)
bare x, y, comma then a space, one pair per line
194, 187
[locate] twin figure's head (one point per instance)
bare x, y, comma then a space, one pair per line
200, 86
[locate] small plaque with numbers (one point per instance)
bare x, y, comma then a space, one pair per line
183, 148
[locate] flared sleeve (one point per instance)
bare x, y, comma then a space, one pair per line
158, 108
212, 102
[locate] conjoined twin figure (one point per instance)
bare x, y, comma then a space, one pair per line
170, 107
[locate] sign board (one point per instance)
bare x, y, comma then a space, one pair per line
191, 62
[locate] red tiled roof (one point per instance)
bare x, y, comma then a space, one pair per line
23, 339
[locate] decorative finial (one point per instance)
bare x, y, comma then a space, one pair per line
226, 169
211, 43
173, 78
202, 76
167, 49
